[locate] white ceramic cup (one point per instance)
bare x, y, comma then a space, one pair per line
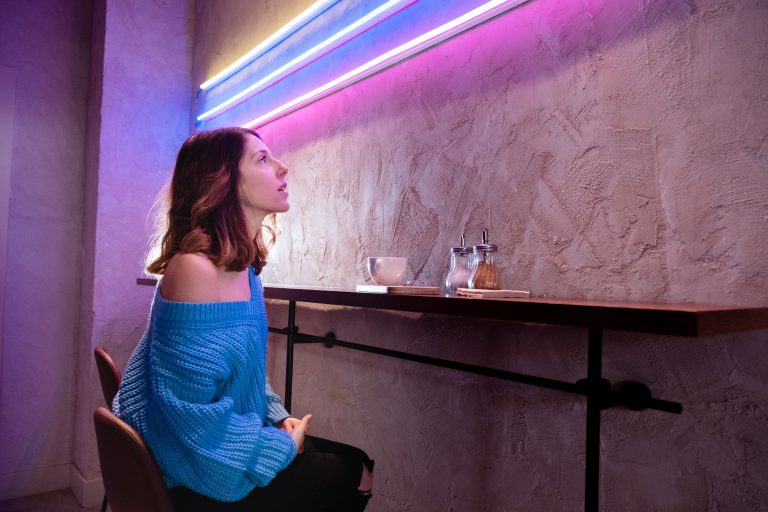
387, 271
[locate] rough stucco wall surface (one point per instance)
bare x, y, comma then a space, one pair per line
616, 150
37, 391
143, 114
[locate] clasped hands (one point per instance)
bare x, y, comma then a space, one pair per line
297, 429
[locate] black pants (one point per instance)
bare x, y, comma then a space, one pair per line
325, 477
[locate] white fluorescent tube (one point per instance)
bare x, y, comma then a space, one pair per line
353, 30
286, 30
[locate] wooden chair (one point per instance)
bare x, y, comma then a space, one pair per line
132, 479
109, 375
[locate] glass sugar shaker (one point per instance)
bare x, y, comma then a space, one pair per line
484, 274
461, 267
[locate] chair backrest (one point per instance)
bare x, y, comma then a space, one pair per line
109, 375
132, 479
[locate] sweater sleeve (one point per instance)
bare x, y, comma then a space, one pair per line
275, 410
198, 438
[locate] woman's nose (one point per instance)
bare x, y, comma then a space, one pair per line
282, 169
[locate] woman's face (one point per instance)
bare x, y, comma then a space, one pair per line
262, 180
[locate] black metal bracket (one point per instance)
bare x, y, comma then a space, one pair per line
630, 394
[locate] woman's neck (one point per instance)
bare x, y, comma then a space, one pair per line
255, 221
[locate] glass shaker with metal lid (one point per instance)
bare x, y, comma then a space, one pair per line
461, 268
484, 274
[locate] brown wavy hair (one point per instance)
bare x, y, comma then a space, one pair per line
203, 211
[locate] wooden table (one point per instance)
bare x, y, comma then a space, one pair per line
692, 320
595, 316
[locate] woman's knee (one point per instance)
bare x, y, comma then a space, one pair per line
366, 480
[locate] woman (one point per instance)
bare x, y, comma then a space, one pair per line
196, 386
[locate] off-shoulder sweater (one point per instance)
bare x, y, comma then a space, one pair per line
196, 390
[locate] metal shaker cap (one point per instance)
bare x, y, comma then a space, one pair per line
462, 249
485, 246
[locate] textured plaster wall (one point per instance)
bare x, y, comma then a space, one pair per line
138, 114
46, 45
617, 150
102, 101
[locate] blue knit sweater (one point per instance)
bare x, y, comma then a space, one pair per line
196, 390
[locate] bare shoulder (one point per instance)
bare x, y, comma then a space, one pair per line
191, 277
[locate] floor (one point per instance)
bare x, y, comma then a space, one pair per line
58, 501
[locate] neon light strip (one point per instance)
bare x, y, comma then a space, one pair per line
286, 30
424, 41
353, 30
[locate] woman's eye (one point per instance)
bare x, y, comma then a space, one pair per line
263, 159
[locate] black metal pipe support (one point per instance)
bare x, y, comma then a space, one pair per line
330, 341
633, 395
291, 333
597, 388
626, 393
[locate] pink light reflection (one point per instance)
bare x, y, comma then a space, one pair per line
510, 53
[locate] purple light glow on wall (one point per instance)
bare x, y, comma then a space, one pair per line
418, 44
537, 40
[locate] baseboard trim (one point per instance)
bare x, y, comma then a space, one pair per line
34, 481
89, 493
